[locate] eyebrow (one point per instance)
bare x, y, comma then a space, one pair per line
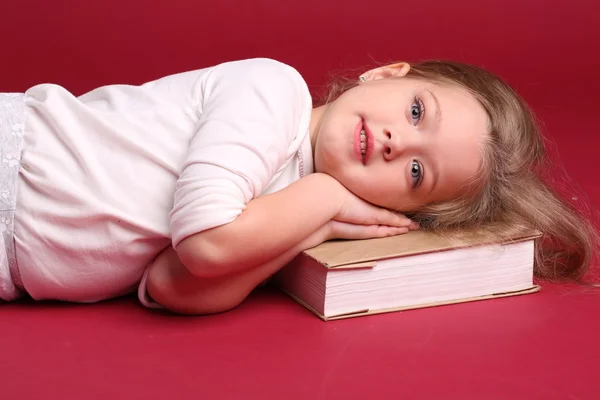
438, 110
435, 174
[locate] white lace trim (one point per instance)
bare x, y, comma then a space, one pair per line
12, 127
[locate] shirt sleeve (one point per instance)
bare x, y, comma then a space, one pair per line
249, 115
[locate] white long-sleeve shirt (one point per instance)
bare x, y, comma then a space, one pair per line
111, 178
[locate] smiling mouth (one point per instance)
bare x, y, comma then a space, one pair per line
363, 142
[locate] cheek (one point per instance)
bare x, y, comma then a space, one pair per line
380, 186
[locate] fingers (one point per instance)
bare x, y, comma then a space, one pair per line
383, 216
414, 226
360, 212
344, 230
386, 217
373, 215
384, 231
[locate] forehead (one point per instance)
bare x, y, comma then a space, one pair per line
457, 138
459, 107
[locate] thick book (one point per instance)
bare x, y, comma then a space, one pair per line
351, 278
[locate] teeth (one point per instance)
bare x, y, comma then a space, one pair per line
363, 142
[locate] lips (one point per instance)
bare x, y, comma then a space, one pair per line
363, 142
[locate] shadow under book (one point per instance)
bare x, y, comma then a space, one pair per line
350, 278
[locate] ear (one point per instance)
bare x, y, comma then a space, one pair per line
387, 71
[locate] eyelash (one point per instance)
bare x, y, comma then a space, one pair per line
421, 108
419, 178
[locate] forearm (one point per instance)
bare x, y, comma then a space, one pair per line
269, 226
174, 287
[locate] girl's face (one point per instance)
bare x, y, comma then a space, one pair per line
399, 142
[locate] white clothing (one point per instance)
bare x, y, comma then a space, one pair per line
111, 178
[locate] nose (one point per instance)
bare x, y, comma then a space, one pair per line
394, 145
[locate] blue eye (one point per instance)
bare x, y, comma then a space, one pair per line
417, 110
416, 173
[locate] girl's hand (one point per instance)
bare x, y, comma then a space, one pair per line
357, 211
345, 230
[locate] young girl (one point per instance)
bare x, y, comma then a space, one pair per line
195, 188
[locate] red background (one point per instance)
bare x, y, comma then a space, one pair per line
542, 346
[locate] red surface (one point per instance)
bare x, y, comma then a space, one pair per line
542, 346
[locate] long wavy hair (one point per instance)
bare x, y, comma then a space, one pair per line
512, 186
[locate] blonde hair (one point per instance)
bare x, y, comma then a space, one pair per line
511, 187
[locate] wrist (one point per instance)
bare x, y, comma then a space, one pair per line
323, 234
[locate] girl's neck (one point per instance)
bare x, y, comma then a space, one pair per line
315, 124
